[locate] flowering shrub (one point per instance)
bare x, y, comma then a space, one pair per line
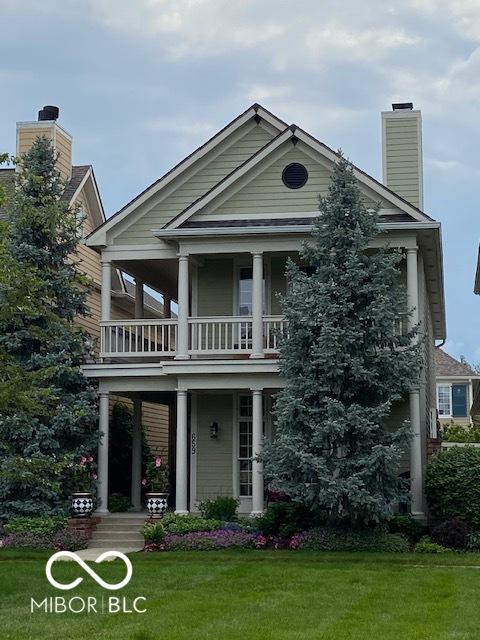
153, 546
210, 540
26, 540
83, 474
157, 475
70, 540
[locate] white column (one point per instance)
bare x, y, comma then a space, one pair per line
139, 310
257, 307
183, 300
136, 495
181, 482
416, 457
106, 289
257, 467
102, 471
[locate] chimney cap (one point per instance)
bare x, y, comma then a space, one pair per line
402, 106
49, 112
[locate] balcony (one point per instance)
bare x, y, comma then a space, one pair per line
220, 336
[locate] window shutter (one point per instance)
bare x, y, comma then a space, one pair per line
459, 400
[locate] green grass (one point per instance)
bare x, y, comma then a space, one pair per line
256, 594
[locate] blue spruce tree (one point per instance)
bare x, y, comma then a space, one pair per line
345, 363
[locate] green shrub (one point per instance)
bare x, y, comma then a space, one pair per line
461, 433
334, 539
188, 524
286, 518
41, 526
221, 508
408, 526
118, 503
453, 484
473, 541
425, 545
452, 533
153, 532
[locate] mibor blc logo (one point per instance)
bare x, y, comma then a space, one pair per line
88, 604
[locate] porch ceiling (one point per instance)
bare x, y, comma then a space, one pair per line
161, 275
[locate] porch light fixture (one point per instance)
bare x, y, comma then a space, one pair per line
214, 430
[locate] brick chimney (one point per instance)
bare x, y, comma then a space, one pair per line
402, 152
47, 126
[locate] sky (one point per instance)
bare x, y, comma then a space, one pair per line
142, 83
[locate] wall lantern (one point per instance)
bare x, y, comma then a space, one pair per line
214, 430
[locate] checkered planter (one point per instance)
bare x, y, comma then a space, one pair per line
157, 504
82, 504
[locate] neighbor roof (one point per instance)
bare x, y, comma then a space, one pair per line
446, 365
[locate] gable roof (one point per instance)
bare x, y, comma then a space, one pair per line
446, 365
294, 134
254, 111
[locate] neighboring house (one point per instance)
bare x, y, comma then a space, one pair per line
81, 191
457, 390
213, 234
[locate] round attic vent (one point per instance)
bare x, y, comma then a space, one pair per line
294, 176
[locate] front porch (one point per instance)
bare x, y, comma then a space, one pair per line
215, 436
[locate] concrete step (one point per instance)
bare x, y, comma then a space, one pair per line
116, 545
118, 527
137, 519
102, 535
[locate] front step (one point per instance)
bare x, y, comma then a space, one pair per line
119, 531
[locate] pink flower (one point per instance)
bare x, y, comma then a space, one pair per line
94, 476
260, 542
90, 459
158, 461
144, 482
83, 460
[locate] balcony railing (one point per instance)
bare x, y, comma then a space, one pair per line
220, 335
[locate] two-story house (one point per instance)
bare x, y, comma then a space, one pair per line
81, 192
213, 235
457, 390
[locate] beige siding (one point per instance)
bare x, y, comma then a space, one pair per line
214, 456
267, 194
203, 180
62, 144
155, 423
402, 157
215, 287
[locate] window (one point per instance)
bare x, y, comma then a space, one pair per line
444, 400
245, 289
245, 446
452, 400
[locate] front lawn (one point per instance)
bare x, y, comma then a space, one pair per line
255, 594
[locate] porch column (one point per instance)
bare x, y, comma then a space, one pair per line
136, 494
102, 471
416, 457
139, 310
257, 467
181, 480
167, 307
106, 292
257, 306
183, 300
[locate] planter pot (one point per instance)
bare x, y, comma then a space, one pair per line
82, 504
157, 503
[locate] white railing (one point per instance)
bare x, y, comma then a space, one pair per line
274, 327
220, 335
138, 338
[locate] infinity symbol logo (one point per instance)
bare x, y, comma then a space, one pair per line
87, 569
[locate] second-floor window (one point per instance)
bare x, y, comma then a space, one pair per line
452, 400
245, 291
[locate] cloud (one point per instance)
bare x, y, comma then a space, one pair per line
181, 126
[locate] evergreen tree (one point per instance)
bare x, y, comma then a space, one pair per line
52, 418
345, 363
